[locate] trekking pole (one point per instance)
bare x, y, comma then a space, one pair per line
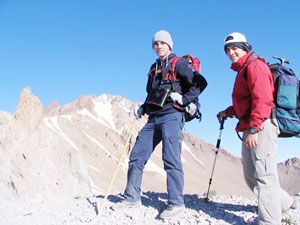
126, 147
216, 154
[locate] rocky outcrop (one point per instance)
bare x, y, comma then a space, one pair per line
29, 110
294, 162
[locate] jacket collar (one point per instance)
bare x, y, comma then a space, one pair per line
237, 66
170, 56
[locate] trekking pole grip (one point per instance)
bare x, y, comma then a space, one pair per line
219, 139
222, 124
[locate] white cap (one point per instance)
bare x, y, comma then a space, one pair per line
163, 36
238, 40
235, 37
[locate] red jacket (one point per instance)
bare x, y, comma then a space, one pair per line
253, 92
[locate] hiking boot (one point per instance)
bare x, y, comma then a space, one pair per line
126, 205
171, 211
296, 203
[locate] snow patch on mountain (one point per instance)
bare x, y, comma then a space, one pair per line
186, 148
103, 109
52, 123
101, 146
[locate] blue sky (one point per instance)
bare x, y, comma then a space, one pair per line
65, 49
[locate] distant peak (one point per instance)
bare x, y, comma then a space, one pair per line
292, 162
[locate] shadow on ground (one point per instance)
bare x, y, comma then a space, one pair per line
216, 210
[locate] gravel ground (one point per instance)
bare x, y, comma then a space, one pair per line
75, 211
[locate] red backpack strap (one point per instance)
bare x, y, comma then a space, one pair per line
172, 74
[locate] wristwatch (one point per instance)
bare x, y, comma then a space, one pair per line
253, 130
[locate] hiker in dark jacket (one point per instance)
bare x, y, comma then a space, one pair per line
165, 123
253, 101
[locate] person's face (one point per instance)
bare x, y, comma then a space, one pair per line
161, 49
235, 53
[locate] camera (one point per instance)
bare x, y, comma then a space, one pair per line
158, 97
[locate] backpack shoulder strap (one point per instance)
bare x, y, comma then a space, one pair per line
245, 68
171, 75
154, 70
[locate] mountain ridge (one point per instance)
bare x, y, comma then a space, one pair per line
75, 148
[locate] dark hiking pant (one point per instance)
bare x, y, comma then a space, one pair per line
168, 130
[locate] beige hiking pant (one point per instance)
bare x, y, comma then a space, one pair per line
260, 173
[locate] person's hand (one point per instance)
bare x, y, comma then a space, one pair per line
138, 111
251, 141
191, 108
176, 98
221, 115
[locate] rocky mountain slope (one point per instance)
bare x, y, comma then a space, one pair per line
73, 150
76, 147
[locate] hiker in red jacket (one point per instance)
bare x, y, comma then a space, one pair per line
252, 98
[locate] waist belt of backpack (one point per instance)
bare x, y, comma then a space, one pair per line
245, 117
178, 107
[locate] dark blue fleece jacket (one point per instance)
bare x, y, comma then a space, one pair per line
187, 84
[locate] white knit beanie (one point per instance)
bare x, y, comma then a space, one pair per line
163, 36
